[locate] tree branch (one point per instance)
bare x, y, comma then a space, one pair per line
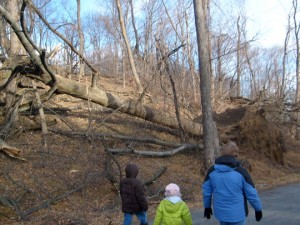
154, 153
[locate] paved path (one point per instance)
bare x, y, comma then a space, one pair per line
281, 206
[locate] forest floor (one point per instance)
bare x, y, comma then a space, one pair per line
68, 177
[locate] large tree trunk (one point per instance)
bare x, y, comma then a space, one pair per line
95, 94
132, 107
210, 137
15, 47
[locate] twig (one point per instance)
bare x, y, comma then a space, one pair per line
52, 201
156, 176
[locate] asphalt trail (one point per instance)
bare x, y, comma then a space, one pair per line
281, 206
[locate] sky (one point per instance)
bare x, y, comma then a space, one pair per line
268, 18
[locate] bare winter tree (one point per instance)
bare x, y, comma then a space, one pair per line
284, 61
81, 39
59, 85
238, 63
128, 48
210, 135
15, 49
136, 34
297, 38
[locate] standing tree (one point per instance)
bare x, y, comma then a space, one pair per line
297, 38
129, 53
137, 39
238, 65
81, 40
11, 102
210, 135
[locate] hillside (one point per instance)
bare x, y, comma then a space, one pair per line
69, 178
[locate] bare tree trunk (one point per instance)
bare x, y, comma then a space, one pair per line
190, 59
219, 73
286, 40
238, 65
254, 89
15, 47
164, 64
131, 60
210, 137
40, 107
137, 44
4, 40
208, 24
81, 40
42, 115
297, 98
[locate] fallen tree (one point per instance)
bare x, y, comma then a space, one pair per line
37, 68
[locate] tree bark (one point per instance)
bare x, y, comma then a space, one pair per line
130, 57
97, 95
14, 49
137, 44
210, 137
238, 65
131, 107
81, 40
297, 38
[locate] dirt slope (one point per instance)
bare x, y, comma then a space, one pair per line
72, 179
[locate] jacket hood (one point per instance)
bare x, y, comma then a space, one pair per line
171, 207
226, 163
174, 199
131, 171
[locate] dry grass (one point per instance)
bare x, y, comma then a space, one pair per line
69, 162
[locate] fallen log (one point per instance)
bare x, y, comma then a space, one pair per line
154, 153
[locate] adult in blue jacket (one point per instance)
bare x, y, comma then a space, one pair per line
229, 186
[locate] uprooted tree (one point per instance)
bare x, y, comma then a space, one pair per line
36, 67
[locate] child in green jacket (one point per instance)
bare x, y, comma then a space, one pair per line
172, 209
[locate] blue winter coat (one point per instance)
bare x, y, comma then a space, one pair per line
230, 186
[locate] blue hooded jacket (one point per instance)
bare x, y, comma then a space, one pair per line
230, 186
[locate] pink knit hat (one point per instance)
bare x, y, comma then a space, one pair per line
172, 190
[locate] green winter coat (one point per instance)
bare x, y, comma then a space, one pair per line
169, 213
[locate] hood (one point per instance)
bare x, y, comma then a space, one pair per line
131, 171
174, 199
171, 207
226, 163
